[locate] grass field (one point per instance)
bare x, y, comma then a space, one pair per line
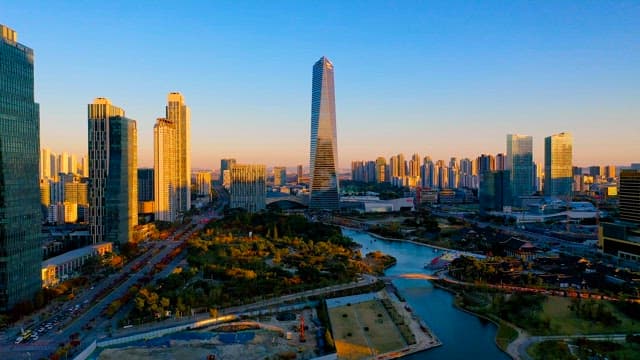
367, 330
565, 322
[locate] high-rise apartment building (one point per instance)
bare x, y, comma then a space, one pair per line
381, 170
299, 174
165, 165
519, 162
45, 163
279, 176
113, 159
248, 187
76, 192
558, 165
20, 213
324, 189
178, 113
500, 161
629, 195
225, 165
203, 183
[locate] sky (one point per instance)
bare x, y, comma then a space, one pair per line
440, 78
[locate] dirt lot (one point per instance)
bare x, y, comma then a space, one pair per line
367, 330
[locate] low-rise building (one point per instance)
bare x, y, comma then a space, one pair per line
64, 266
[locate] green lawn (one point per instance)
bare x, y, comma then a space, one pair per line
550, 350
506, 334
564, 321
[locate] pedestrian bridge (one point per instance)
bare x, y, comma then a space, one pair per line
299, 200
411, 276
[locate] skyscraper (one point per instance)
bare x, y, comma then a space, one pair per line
203, 183
20, 214
248, 187
145, 184
45, 163
324, 189
298, 176
558, 165
629, 195
165, 174
519, 162
279, 176
113, 158
225, 165
381, 169
178, 113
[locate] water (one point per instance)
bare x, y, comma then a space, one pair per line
464, 336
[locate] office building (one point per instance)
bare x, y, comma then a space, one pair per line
165, 165
610, 172
500, 162
629, 195
622, 238
519, 163
20, 212
324, 189
113, 178
248, 187
381, 170
558, 165
495, 191
279, 176
145, 184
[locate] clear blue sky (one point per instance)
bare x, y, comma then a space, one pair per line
438, 78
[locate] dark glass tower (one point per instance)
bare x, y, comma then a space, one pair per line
20, 247
324, 145
113, 173
520, 164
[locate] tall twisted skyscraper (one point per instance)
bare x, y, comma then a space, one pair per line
20, 247
113, 173
324, 145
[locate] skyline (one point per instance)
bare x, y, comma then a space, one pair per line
485, 69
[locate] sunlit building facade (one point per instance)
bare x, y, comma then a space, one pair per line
203, 183
20, 212
558, 165
113, 178
279, 176
165, 165
248, 187
324, 189
178, 113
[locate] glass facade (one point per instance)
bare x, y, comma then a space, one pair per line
113, 178
519, 162
248, 187
20, 245
495, 190
558, 165
629, 195
324, 190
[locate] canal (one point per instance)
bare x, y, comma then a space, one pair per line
464, 336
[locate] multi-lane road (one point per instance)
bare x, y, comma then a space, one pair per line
83, 316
